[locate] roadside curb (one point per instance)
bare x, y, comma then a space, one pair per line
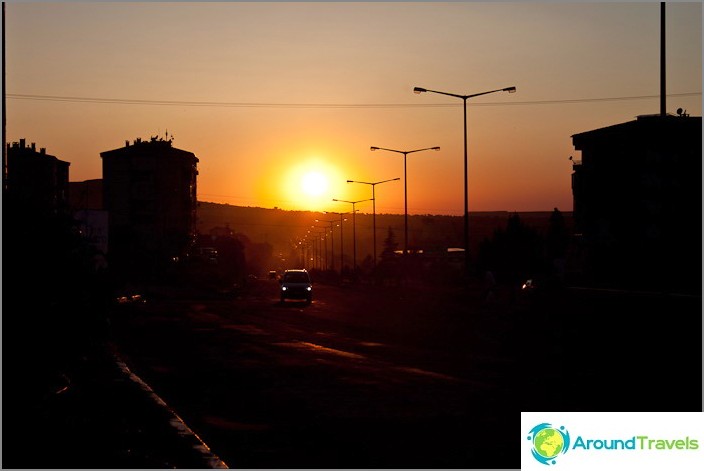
210, 460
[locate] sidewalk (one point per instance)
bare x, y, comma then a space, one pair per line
104, 416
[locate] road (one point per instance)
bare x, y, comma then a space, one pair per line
395, 377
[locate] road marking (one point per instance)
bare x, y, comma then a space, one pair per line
404, 369
246, 328
320, 348
431, 374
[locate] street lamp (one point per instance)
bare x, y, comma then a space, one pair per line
314, 248
342, 247
373, 185
354, 230
464, 98
303, 247
405, 189
325, 234
332, 241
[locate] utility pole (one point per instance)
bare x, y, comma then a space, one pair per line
663, 67
4, 108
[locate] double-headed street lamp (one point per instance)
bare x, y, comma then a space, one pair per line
466, 204
405, 189
354, 231
373, 185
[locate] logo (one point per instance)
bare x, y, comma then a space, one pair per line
549, 442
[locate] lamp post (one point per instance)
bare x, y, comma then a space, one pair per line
373, 185
405, 189
313, 248
354, 231
317, 250
324, 233
464, 98
302, 247
342, 247
332, 241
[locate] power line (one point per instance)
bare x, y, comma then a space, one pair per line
222, 104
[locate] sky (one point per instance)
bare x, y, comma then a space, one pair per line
281, 101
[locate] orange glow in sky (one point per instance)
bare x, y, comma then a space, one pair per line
281, 101
307, 184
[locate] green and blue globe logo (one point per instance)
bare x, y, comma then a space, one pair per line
549, 442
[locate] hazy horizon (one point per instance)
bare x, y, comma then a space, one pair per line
369, 213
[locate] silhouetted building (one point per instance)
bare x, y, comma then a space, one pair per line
36, 181
86, 204
637, 202
87, 194
149, 191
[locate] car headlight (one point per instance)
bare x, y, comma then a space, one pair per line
309, 288
283, 288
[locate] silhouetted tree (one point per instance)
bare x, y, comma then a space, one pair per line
390, 245
513, 253
231, 260
388, 269
54, 301
557, 236
366, 266
556, 244
259, 257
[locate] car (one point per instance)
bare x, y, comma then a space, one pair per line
296, 284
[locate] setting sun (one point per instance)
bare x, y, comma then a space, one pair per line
314, 183
310, 185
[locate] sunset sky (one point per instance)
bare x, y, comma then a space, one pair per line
281, 101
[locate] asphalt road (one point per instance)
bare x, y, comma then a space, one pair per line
403, 376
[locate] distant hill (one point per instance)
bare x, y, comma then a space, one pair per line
284, 229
